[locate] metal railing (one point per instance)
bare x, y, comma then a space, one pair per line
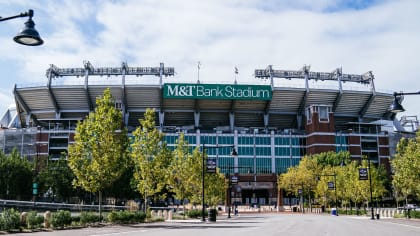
50, 206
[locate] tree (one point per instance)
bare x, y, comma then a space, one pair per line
151, 159
406, 167
215, 185
15, 176
329, 167
301, 178
180, 170
56, 180
98, 155
215, 188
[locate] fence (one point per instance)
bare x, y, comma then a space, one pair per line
48, 206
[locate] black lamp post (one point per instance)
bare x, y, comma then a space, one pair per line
203, 167
28, 35
396, 105
365, 174
370, 186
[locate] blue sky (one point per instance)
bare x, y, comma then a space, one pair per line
359, 36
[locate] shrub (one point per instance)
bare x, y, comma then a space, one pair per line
88, 218
195, 213
9, 220
139, 216
125, 217
61, 218
33, 220
75, 220
2, 227
415, 214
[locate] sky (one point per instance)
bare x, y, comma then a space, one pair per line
358, 36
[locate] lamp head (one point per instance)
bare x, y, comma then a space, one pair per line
396, 106
28, 35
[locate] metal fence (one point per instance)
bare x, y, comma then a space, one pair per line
48, 206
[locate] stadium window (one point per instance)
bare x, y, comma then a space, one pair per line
308, 115
323, 113
118, 105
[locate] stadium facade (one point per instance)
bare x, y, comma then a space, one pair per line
272, 124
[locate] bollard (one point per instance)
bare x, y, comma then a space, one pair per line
170, 215
47, 217
23, 217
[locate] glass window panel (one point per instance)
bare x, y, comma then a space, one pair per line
263, 165
245, 163
246, 151
191, 139
226, 140
263, 151
263, 140
226, 164
245, 140
282, 151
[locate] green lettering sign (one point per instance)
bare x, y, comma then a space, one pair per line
217, 91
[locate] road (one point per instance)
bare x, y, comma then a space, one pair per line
258, 225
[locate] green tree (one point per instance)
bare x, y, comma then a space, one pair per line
330, 166
406, 167
15, 176
151, 159
56, 180
214, 183
301, 178
180, 170
98, 155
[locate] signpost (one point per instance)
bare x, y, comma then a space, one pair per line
211, 165
363, 174
331, 186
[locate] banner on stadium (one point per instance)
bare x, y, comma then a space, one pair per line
217, 91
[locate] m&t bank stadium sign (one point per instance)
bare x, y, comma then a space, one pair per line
217, 91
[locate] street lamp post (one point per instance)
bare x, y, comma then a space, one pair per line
365, 174
203, 167
370, 187
28, 35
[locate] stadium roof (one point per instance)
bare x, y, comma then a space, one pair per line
61, 100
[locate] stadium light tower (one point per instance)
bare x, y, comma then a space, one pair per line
396, 105
28, 35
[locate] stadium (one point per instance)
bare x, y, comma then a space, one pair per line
272, 124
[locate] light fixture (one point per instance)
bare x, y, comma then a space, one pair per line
28, 35
396, 105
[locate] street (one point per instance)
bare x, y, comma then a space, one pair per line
258, 225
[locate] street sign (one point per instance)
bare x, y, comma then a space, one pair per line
35, 188
300, 191
331, 186
211, 165
234, 179
363, 174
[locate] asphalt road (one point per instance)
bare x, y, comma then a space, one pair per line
258, 225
